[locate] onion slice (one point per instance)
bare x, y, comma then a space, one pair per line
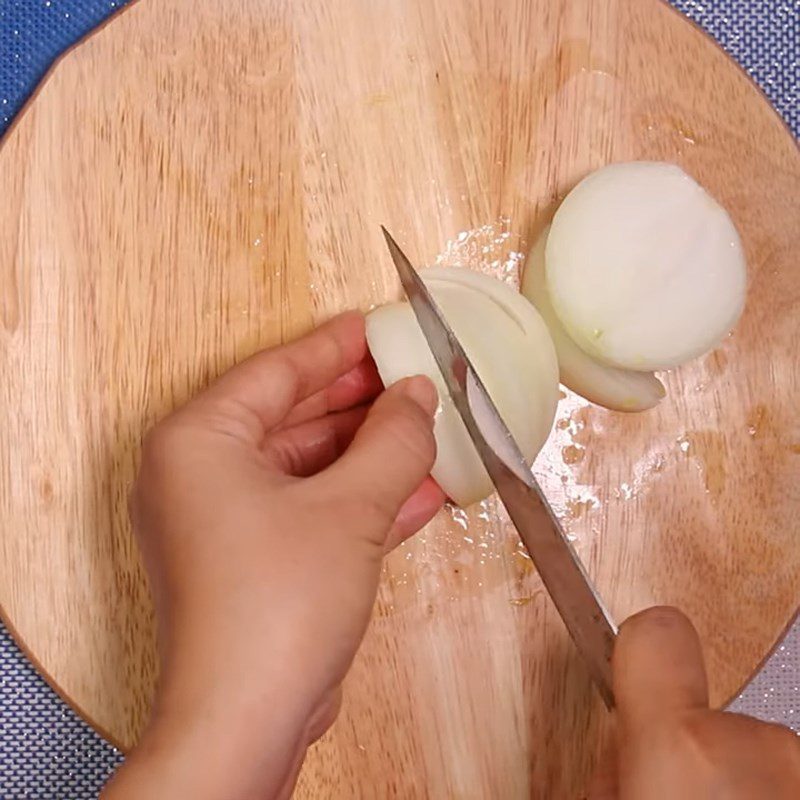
619, 389
645, 269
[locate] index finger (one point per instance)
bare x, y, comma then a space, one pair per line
658, 667
360, 385
260, 392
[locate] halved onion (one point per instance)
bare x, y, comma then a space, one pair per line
620, 389
645, 269
510, 347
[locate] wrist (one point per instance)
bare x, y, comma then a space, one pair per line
213, 754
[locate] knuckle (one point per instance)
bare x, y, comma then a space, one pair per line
162, 440
163, 447
155, 441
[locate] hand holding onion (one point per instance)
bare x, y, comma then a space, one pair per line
508, 344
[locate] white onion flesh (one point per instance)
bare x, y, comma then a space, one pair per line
619, 389
509, 346
645, 270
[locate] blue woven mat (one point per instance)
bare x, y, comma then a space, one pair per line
46, 752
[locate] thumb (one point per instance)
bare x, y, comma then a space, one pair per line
658, 668
393, 450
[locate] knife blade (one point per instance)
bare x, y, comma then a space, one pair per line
586, 618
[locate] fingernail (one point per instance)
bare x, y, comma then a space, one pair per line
422, 391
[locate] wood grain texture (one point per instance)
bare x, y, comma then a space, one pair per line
202, 179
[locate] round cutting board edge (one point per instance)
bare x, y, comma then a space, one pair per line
81, 711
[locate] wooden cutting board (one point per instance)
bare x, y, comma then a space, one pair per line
202, 179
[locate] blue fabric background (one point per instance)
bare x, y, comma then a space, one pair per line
46, 752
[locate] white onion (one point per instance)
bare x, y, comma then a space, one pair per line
508, 344
645, 269
620, 389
